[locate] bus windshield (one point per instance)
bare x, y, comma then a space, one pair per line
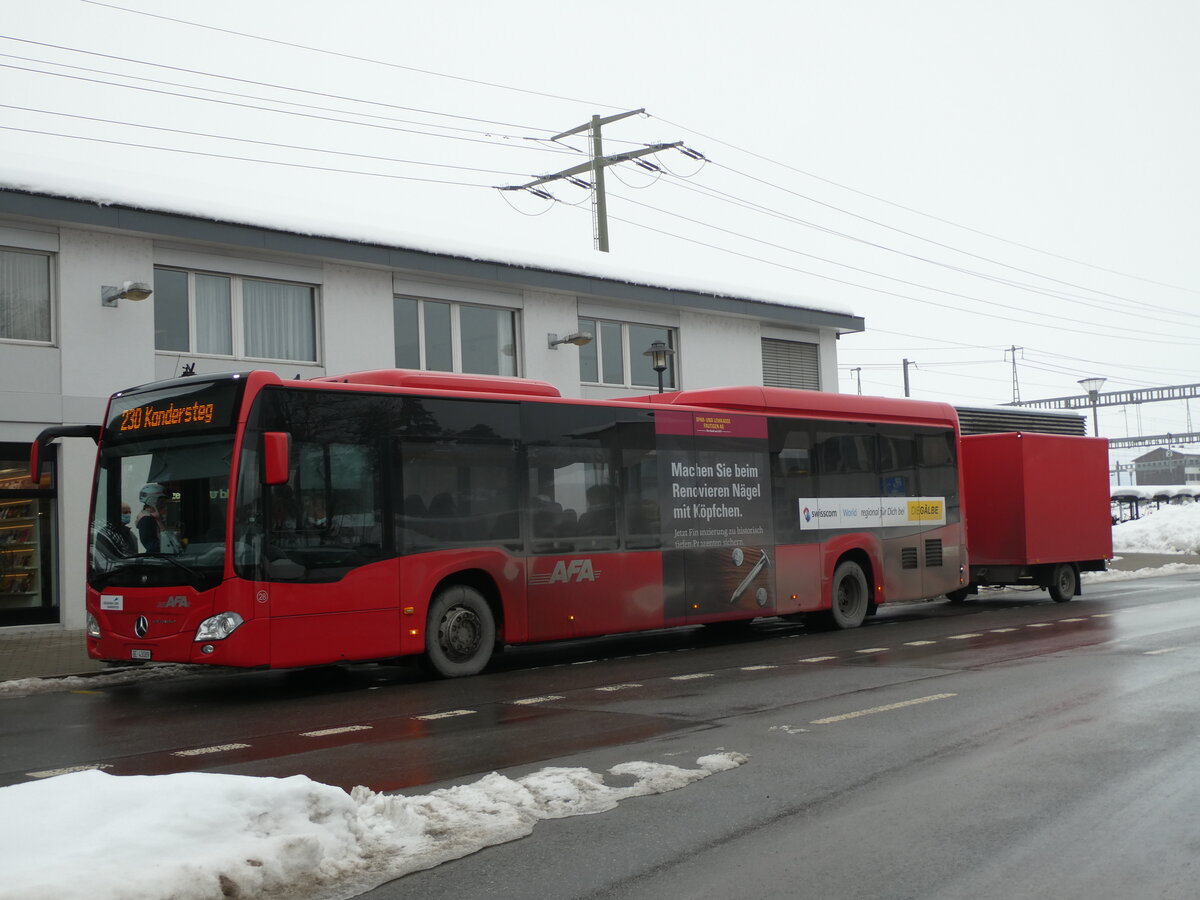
160, 511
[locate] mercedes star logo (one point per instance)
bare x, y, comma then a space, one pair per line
141, 626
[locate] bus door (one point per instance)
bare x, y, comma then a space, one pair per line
718, 535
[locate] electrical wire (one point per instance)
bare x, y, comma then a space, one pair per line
1123, 332
221, 137
926, 215
340, 55
268, 162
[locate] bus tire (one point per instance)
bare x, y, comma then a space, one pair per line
958, 595
1064, 583
460, 632
850, 595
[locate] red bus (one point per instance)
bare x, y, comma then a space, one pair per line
276, 523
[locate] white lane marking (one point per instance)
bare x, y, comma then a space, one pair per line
530, 701
789, 729
449, 714
219, 748
1002, 630
757, 668
342, 730
918, 643
1161, 652
817, 659
50, 773
619, 687
583, 662
1077, 619
874, 650
1102, 615
963, 637
878, 709
691, 677
1039, 624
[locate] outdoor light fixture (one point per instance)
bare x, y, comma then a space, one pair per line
660, 357
578, 338
1092, 386
130, 290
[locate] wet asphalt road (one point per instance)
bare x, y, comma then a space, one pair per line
1004, 747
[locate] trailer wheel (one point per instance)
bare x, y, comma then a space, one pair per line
851, 595
460, 632
1064, 583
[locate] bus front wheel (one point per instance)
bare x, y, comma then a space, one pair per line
851, 595
460, 633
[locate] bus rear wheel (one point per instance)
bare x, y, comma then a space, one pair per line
460, 633
851, 595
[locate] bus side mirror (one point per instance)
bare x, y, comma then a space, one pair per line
276, 451
37, 451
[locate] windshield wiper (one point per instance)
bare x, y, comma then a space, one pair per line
186, 569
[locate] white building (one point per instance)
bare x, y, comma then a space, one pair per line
231, 297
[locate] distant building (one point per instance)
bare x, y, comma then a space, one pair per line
1163, 465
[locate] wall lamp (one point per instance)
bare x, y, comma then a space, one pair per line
130, 290
578, 338
660, 359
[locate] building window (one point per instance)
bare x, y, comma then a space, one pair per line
226, 315
616, 355
791, 364
453, 337
24, 296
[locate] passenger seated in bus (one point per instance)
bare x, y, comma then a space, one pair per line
599, 518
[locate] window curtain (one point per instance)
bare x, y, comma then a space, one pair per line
24, 296
278, 321
214, 321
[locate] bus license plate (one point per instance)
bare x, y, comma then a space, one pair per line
139, 654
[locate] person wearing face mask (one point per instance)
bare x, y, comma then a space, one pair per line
115, 540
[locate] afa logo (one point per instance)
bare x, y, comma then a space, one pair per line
566, 572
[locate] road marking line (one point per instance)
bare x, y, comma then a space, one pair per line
1039, 624
450, 714
817, 659
1077, 619
1002, 630
51, 773
342, 730
874, 650
1102, 615
878, 709
918, 643
530, 701
1161, 652
618, 687
789, 729
219, 748
691, 677
757, 668
963, 637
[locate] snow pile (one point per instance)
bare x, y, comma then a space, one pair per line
23, 687
196, 836
1172, 529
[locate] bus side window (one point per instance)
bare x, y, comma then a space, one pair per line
562, 482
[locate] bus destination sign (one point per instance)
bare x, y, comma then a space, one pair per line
204, 408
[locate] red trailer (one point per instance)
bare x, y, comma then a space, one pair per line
1037, 510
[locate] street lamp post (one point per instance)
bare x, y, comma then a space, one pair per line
1092, 386
660, 355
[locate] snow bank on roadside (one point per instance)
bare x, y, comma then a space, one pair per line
198, 836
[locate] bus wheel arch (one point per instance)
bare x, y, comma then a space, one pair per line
851, 595
462, 626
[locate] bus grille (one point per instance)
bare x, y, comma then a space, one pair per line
933, 553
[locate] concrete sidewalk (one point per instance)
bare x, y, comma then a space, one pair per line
48, 651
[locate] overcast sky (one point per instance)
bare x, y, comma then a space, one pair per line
967, 176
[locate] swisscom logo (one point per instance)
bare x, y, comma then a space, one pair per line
807, 514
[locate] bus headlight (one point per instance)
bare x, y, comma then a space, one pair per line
218, 627
93, 627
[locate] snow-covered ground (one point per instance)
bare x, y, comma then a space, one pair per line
1172, 529
196, 836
